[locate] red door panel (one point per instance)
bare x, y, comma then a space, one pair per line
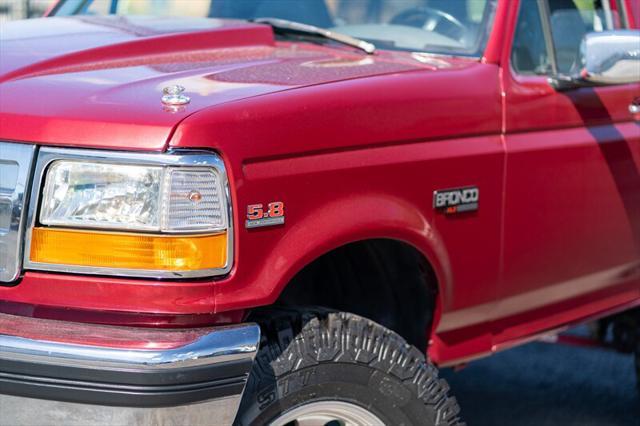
572, 208
572, 196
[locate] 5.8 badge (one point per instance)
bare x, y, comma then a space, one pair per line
259, 215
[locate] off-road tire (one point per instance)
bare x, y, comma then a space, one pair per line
313, 354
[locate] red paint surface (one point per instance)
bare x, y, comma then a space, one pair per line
354, 145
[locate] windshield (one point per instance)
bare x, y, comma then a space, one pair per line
454, 27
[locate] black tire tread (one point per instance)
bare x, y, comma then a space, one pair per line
295, 338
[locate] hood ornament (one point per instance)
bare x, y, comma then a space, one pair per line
173, 96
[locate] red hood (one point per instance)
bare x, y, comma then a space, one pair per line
97, 81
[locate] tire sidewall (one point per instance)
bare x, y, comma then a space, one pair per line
380, 393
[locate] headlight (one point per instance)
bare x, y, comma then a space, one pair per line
102, 196
132, 197
131, 214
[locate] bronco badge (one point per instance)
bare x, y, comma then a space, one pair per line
459, 200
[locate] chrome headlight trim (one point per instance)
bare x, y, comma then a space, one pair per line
179, 158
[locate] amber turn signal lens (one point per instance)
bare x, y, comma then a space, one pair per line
129, 251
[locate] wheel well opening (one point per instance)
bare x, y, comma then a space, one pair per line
387, 281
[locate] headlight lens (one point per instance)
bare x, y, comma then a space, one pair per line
130, 214
132, 197
102, 196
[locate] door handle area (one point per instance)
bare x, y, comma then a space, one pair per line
634, 106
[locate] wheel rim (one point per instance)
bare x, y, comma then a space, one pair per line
328, 413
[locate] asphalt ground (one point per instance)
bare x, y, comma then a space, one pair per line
543, 384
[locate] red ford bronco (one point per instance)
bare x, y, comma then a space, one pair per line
290, 212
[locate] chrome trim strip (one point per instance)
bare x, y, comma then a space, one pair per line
184, 158
221, 344
22, 155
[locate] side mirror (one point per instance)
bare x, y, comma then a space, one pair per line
611, 57
606, 58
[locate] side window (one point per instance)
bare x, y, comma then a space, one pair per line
566, 23
529, 54
570, 20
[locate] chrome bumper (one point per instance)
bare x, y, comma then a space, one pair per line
94, 374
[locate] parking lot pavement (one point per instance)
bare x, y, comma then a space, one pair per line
542, 384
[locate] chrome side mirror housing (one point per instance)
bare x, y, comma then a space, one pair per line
611, 57
605, 58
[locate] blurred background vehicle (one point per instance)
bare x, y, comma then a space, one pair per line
11, 10
22, 9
